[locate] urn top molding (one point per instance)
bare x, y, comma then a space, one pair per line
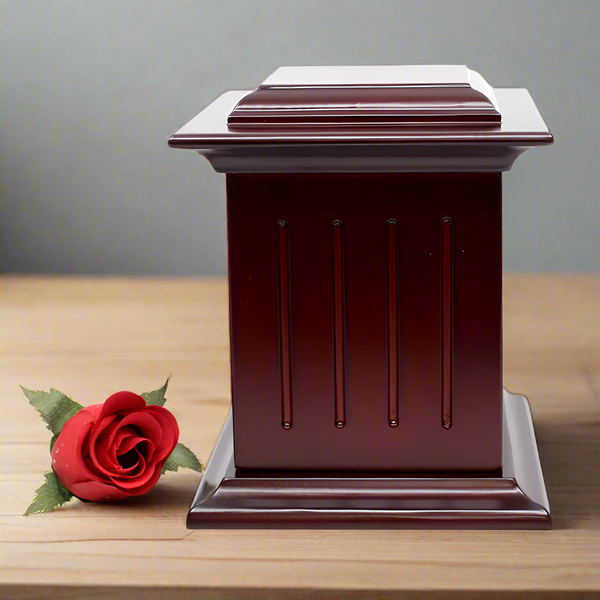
369, 96
403, 118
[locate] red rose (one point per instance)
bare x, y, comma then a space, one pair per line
109, 451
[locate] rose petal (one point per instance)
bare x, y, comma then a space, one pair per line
107, 436
136, 467
112, 455
133, 481
98, 454
133, 488
129, 472
106, 429
170, 430
103, 446
102, 465
121, 403
94, 470
130, 443
107, 441
67, 459
95, 410
141, 460
122, 433
96, 491
140, 444
147, 426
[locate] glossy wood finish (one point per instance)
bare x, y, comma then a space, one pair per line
367, 96
90, 336
364, 149
364, 204
513, 499
389, 316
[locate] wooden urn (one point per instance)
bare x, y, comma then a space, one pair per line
364, 228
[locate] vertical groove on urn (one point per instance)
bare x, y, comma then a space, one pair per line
285, 355
392, 320
447, 284
339, 325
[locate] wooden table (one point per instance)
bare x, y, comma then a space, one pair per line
91, 337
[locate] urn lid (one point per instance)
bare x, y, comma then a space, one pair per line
365, 96
367, 119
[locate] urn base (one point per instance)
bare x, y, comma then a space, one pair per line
514, 498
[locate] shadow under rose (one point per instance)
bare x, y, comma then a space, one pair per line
175, 490
171, 496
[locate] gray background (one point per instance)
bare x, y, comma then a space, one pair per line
91, 90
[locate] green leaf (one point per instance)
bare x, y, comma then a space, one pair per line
157, 397
55, 408
182, 457
51, 494
170, 465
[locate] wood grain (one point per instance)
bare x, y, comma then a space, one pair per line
90, 337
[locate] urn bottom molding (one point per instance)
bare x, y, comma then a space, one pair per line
514, 498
